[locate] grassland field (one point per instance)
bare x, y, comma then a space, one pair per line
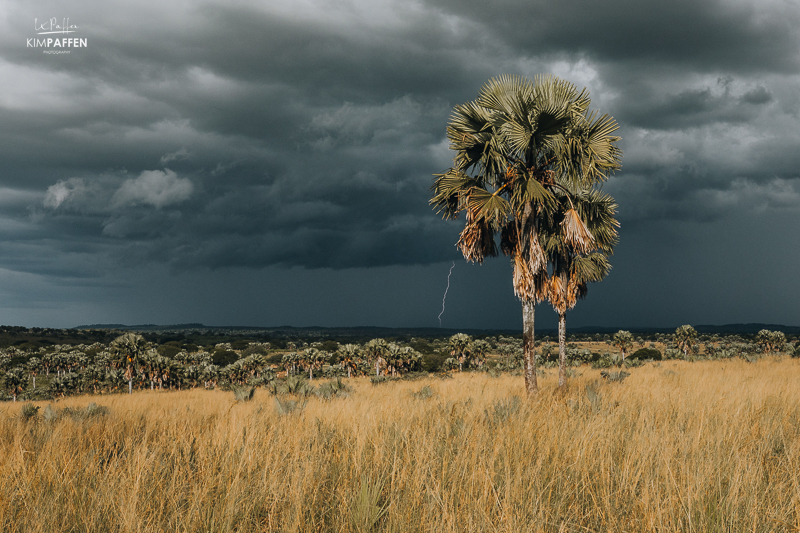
678, 447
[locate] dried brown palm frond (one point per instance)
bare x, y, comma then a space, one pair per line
556, 293
476, 241
576, 234
509, 236
524, 282
537, 259
574, 292
529, 285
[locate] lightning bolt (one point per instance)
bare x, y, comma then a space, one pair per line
445, 292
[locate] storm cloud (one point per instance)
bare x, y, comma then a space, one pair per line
205, 141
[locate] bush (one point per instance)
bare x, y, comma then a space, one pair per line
76, 413
334, 371
243, 394
29, 412
287, 407
424, 393
614, 376
333, 389
433, 362
451, 363
275, 359
295, 385
646, 353
224, 357
329, 346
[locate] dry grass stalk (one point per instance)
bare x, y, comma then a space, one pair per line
711, 446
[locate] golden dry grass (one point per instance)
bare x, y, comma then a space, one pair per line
708, 446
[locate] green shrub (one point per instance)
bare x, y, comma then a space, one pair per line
224, 357
333, 389
433, 362
646, 353
274, 358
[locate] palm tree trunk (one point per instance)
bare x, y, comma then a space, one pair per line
562, 350
130, 386
528, 346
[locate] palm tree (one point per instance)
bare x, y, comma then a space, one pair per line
573, 266
777, 340
15, 382
210, 376
376, 351
349, 355
771, 340
34, 366
289, 362
314, 359
685, 338
516, 145
460, 348
480, 348
129, 347
47, 363
623, 340
92, 377
411, 359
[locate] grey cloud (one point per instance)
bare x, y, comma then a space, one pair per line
177, 155
211, 136
738, 37
757, 96
153, 187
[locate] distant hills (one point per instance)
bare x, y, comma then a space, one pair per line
727, 329
306, 331
377, 331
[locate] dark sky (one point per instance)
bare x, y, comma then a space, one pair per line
269, 163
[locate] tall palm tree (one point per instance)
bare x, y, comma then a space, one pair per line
314, 359
34, 367
516, 145
411, 359
478, 355
349, 355
15, 381
685, 338
460, 348
624, 341
574, 266
289, 362
376, 351
129, 347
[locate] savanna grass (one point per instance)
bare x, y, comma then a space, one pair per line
709, 446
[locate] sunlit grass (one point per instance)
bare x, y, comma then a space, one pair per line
708, 446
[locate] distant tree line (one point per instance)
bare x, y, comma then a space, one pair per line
129, 362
